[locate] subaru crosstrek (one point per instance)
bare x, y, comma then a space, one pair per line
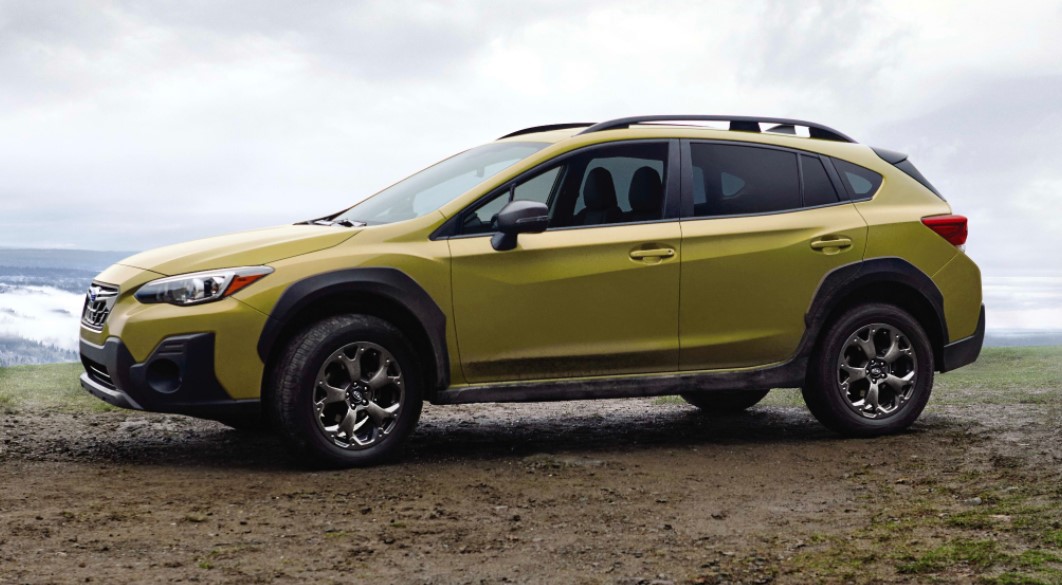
712, 257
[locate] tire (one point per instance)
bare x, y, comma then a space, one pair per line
725, 401
841, 373
347, 391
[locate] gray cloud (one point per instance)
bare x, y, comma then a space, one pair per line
993, 152
133, 124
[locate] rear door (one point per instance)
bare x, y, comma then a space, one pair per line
762, 226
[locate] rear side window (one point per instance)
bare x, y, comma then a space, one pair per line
740, 180
861, 182
818, 188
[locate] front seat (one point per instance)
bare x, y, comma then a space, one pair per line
646, 195
599, 194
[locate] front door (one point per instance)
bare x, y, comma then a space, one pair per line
595, 294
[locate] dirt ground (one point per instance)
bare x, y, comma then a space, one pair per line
622, 491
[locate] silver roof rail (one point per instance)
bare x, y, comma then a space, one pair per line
737, 123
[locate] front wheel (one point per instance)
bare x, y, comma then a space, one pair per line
871, 373
348, 391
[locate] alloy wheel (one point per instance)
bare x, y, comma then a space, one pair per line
358, 395
876, 370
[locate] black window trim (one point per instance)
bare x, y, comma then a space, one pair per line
672, 196
838, 187
687, 179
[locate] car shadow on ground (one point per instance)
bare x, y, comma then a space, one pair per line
446, 435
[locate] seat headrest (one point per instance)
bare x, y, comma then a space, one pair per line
646, 192
599, 192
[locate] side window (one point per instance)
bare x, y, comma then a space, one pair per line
861, 182
739, 180
818, 188
618, 183
538, 188
615, 184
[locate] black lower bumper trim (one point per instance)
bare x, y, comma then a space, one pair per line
178, 377
964, 351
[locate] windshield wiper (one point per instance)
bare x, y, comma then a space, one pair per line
342, 222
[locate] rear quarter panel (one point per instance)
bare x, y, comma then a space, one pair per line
894, 216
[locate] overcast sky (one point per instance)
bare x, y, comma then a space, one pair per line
128, 125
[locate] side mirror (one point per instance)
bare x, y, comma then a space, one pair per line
519, 217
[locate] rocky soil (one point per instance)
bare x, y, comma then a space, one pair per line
622, 491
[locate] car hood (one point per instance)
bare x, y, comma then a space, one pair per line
249, 248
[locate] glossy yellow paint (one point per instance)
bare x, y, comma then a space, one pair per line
748, 281
403, 245
568, 302
249, 248
142, 327
896, 228
960, 283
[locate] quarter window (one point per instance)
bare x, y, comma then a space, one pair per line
861, 182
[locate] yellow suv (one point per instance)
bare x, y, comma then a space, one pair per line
713, 257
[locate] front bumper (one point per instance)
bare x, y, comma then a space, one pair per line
177, 377
964, 351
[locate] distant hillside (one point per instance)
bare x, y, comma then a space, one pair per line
16, 351
88, 260
69, 270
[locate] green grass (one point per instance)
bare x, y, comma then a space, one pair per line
1002, 375
979, 554
1005, 375
1008, 540
53, 386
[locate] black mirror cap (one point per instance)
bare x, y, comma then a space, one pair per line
519, 217
523, 217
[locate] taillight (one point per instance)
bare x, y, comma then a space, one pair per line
950, 227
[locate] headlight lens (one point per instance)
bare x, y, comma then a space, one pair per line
200, 287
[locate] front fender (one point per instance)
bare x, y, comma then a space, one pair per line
391, 284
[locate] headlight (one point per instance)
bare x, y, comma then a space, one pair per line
200, 287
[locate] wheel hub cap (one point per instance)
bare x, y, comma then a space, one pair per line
876, 370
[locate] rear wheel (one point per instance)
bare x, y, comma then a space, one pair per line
348, 392
872, 372
725, 401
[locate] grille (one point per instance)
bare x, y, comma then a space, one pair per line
98, 372
98, 303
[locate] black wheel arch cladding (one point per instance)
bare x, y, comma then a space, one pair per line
846, 281
390, 284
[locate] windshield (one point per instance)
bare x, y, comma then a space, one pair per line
439, 184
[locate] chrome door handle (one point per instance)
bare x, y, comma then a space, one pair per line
831, 243
652, 253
